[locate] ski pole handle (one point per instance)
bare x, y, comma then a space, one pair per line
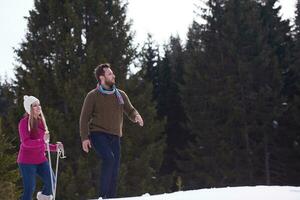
60, 150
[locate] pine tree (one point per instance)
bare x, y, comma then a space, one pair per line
9, 173
292, 73
280, 40
4, 101
195, 76
143, 147
170, 105
9, 115
149, 62
238, 80
288, 124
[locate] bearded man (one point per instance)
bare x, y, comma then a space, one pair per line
101, 123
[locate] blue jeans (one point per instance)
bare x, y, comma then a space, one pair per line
29, 172
107, 147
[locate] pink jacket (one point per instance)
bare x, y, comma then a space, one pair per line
32, 147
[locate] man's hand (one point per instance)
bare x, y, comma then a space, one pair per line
139, 120
86, 144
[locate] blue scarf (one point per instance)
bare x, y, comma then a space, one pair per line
113, 91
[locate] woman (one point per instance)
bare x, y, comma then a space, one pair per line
32, 158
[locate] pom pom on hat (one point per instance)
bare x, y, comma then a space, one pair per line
28, 100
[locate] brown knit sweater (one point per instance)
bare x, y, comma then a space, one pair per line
102, 112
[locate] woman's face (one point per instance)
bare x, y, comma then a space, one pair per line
36, 109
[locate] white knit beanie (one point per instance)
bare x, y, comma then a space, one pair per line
28, 100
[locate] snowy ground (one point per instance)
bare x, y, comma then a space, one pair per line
229, 193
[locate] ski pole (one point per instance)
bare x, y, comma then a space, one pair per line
56, 169
50, 164
60, 154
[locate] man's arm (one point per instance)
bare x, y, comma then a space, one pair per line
86, 113
131, 112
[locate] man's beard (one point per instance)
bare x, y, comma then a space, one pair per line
109, 83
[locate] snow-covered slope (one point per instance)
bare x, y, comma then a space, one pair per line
229, 193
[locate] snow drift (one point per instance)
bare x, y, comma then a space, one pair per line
229, 193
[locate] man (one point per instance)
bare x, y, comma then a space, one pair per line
101, 123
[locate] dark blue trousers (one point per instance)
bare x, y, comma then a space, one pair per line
107, 147
29, 172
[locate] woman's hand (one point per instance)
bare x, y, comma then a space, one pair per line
47, 137
60, 146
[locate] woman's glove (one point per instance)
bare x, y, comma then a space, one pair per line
60, 146
60, 149
47, 137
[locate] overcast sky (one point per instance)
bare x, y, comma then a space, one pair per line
149, 16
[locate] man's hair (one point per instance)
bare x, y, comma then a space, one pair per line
99, 70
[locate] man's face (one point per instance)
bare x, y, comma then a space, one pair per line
108, 78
